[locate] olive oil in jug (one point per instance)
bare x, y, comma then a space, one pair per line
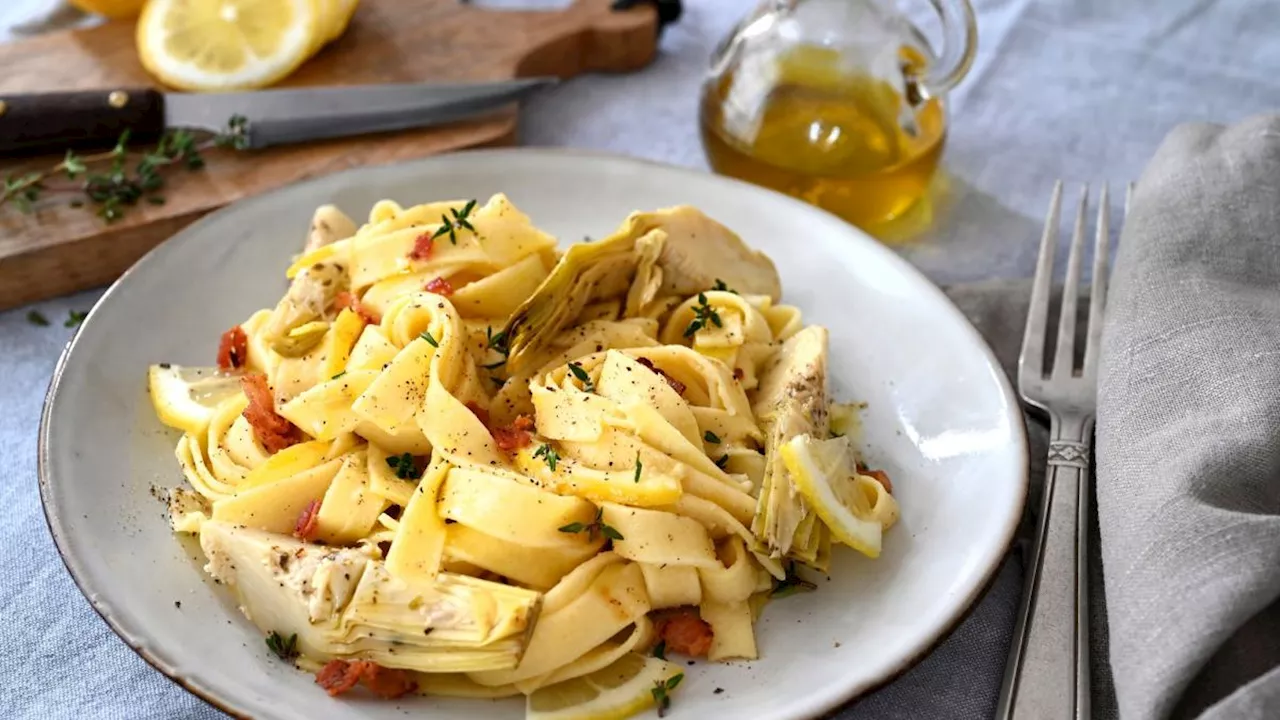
829, 125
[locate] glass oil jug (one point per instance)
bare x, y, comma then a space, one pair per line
837, 102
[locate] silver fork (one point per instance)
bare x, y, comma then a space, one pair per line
1047, 674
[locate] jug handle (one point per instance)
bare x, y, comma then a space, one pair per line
959, 45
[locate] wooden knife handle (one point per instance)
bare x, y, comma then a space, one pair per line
42, 122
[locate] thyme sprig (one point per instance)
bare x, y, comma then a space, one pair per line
703, 314
106, 180
496, 341
285, 648
549, 455
459, 221
661, 692
595, 527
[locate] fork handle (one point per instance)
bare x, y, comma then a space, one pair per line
1047, 675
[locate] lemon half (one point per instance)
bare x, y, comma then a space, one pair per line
185, 397
228, 44
614, 693
825, 474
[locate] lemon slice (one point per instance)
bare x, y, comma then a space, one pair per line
185, 397
616, 692
227, 44
825, 474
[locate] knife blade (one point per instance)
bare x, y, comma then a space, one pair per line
36, 122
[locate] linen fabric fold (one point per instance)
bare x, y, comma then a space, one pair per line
1188, 479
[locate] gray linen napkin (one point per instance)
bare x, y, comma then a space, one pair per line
1187, 439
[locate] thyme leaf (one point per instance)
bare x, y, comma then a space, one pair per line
284, 648
791, 584
719, 285
548, 455
405, 466
587, 384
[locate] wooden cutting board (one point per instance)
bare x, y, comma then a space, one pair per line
59, 249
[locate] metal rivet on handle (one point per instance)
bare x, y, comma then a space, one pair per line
118, 99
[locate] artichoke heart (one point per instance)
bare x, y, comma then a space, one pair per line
328, 226
343, 604
296, 324
692, 251
791, 400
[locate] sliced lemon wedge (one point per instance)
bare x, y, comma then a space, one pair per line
185, 397
618, 691
825, 473
227, 44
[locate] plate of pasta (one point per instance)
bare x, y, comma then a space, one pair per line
529, 434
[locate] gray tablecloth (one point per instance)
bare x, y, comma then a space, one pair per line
1082, 90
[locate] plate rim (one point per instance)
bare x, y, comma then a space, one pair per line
962, 611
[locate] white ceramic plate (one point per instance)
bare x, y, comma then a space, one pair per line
941, 419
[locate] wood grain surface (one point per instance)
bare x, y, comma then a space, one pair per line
59, 249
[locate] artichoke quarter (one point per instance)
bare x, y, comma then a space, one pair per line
791, 400
343, 604
694, 252
298, 322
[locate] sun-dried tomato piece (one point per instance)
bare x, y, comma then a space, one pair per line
686, 634
387, 683
273, 431
882, 477
673, 383
308, 521
439, 286
233, 349
340, 676
514, 436
347, 299
422, 247
481, 414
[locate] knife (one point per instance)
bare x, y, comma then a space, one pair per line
55, 121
